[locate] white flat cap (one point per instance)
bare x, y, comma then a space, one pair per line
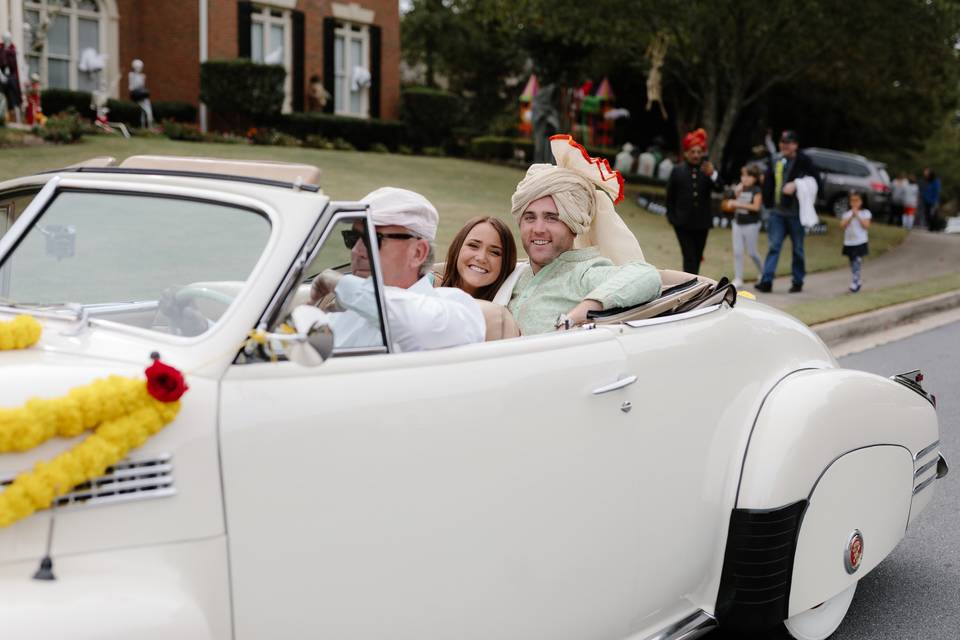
404, 208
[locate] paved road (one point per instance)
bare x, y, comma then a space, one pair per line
915, 592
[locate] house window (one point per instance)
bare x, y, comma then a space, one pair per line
64, 42
351, 53
271, 42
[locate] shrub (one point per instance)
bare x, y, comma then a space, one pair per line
56, 101
435, 152
224, 138
176, 111
124, 111
273, 137
64, 128
430, 115
342, 145
181, 131
242, 91
379, 147
361, 133
500, 148
318, 142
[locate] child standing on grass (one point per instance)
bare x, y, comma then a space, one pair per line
746, 221
911, 192
855, 223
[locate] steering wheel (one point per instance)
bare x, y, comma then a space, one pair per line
180, 307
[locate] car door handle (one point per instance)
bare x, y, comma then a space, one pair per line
624, 381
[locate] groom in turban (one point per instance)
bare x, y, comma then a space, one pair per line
582, 256
688, 199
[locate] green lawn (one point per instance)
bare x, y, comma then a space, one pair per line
460, 189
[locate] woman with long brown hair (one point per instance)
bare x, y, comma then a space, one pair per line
482, 255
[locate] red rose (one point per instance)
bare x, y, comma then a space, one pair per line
164, 382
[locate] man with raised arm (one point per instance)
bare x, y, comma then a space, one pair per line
582, 256
420, 316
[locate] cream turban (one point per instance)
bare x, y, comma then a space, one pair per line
573, 184
393, 206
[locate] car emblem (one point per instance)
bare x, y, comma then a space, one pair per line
853, 553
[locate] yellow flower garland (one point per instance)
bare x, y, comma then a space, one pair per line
121, 410
19, 333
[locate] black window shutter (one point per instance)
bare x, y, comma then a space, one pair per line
299, 54
329, 76
244, 14
375, 71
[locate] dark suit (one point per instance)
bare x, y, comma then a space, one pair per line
785, 215
689, 211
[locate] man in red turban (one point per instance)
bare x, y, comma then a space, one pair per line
688, 199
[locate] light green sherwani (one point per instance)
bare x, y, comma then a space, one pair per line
574, 276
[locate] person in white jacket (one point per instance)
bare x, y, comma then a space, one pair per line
420, 316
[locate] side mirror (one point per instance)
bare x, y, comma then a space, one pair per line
312, 343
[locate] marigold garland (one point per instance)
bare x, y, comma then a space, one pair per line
124, 412
19, 333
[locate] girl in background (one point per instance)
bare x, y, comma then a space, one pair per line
746, 221
855, 223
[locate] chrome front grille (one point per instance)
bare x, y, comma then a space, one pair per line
136, 479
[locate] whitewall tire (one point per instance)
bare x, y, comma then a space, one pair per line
821, 621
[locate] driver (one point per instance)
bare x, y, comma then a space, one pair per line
582, 256
420, 315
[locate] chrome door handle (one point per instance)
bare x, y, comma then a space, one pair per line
624, 381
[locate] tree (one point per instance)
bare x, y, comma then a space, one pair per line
728, 55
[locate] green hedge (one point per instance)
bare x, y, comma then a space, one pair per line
362, 133
124, 111
54, 101
500, 148
176, 111
431, 116
241, 91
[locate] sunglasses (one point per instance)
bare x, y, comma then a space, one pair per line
351, 236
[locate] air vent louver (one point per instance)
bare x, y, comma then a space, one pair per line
138, 479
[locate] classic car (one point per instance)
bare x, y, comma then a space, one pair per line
696, 462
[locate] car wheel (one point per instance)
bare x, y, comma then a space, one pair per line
840, 205
821, 621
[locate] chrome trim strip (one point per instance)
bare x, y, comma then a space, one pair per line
693, 626
693, 313
919, 472
923, 452
923, 485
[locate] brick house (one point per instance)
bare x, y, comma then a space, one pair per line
351, 47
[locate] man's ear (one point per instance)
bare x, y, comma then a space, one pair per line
420, 252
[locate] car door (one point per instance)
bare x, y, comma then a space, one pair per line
483, 491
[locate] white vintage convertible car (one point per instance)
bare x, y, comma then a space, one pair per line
699, 462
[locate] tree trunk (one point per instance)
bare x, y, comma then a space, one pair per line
722, 136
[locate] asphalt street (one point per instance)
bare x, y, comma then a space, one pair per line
915, 592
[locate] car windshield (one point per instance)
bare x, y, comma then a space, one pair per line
168, 264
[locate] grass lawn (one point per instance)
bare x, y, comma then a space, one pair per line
817, 311
460, 189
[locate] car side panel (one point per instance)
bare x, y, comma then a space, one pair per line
477, 492
702, 381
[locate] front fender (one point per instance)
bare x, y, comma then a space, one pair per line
151, 593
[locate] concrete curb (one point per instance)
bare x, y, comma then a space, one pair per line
837, 331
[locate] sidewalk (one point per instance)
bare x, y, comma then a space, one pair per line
921, 256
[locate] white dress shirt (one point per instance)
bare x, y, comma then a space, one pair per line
421, 317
